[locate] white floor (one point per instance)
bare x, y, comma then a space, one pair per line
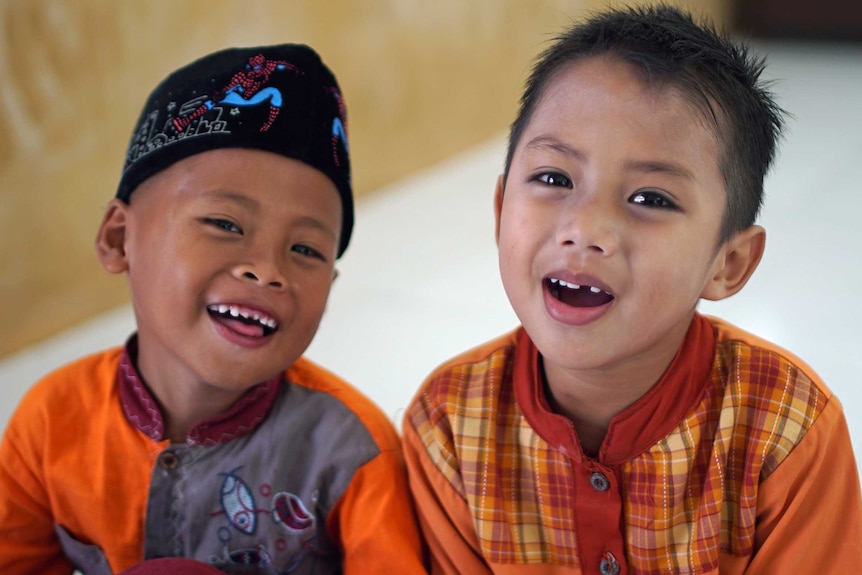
420, 283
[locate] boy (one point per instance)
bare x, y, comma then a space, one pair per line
208, 436
617, 430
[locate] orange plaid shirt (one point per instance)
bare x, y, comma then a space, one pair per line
737, 461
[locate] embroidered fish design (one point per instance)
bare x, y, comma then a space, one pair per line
238, 503
256, 556
288, 510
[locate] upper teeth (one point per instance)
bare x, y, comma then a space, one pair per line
573, 286
234, 311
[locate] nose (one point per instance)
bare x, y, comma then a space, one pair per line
590, 224
262, 269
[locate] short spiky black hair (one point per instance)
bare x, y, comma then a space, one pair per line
720, 76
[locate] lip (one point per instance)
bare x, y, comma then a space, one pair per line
571, 315
222, 326
579, 279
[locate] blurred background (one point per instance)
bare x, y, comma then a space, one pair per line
430, 89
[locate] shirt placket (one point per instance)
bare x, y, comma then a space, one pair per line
165, 508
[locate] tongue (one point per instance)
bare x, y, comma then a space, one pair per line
249, 330
583, 297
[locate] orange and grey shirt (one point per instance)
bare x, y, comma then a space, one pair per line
302, 475
738, 460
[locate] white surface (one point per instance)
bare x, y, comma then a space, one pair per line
420, 282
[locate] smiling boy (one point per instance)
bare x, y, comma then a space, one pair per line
201, 243
617, 430
209, 436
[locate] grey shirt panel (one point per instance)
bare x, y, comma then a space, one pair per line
259, 503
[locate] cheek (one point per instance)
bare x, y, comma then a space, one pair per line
315, 293
507, 262
514, 275
322, 295
520, 249
161, 291
683, 273
166, 274
514, 241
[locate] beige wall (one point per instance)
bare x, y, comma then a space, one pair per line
423, 80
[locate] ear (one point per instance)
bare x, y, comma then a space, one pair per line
736, 261
111, 239
498, 205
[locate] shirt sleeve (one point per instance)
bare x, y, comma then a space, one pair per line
810, 508
444, 515
375, 522
28, 541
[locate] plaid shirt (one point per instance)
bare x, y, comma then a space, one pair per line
732, 457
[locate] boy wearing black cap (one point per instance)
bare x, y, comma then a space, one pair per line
208, 436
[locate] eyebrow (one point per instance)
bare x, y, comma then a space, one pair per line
549, 142
642, 166
311, 222
234, 197
668, 168
253, 206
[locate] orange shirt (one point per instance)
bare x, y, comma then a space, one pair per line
304, 472
737, 461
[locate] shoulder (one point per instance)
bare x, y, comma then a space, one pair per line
315, 378
82, 383
456, 401
755, 365
53, 409
468, 380
761, 354
773, 393
449, 413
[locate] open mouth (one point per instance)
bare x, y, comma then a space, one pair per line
577, 295
245, 321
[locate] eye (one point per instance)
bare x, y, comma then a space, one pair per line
553, 179
652, 199
226, 225
308, 252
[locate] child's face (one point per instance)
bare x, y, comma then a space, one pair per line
230, 256
616, 189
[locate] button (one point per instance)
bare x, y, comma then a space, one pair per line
609, 564
599, 482
169, 460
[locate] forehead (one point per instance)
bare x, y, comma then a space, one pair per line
254, 180
628, 86
606, 99
264, 174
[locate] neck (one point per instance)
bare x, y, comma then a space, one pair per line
183, 409
183, 400
589, 407
591, 399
